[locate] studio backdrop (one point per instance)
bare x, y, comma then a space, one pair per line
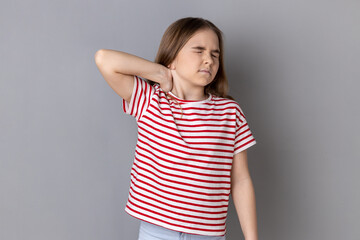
66, 147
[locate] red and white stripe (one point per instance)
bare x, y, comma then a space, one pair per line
180, 178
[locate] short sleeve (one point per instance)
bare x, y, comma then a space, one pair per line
140, 98
243, 135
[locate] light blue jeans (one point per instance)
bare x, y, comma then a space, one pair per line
149, 231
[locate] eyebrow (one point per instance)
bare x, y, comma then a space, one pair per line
202, 48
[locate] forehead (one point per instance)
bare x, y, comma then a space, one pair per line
207, 38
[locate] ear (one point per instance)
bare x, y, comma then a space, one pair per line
171, 66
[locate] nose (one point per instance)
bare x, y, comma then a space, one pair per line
208, 58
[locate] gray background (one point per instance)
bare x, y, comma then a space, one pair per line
66, 147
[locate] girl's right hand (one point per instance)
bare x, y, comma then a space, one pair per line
167, 81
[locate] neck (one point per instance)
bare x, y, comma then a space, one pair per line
188, 91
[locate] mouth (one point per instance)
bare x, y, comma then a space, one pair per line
205, 71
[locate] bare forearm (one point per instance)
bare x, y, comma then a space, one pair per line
243, 196
129, 64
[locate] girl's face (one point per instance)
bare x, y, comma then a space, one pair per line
198, 61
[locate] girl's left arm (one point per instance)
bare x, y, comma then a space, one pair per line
243, 195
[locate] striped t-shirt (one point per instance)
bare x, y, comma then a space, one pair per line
180, 177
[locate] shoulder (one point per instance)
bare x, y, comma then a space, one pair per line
232, 106
146, 84
226, 102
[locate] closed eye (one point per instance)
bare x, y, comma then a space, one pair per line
211, 55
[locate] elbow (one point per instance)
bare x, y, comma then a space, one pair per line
99, 55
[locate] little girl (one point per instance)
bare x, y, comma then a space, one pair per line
192, 137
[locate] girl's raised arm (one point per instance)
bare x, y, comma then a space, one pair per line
118, 69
